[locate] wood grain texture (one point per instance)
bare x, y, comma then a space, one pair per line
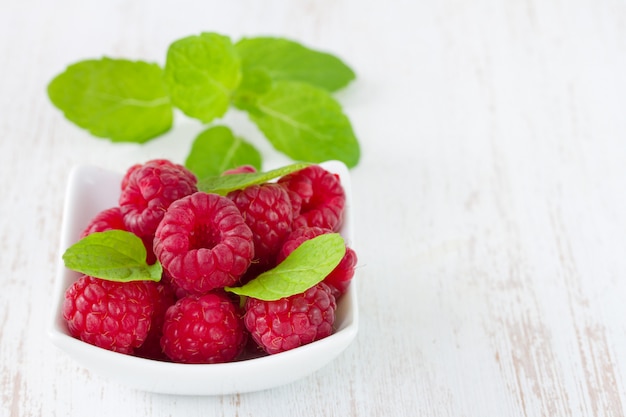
489, 202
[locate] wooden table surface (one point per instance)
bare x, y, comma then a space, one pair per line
490, 212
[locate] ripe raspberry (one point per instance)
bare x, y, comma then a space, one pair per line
319, 195
167, 279
243, 169
109, 219
155, 163
285, 324
296, 237
266, 209
162, 297
339, 278
149, 189
203, 243
203, 329
112, 315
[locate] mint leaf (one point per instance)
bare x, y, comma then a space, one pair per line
305, 123
125, 101
226, 183
216, 149
201, 72
253, 84
284, 59
116, 255
306, 266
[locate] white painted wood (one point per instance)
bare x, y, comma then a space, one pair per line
489, 202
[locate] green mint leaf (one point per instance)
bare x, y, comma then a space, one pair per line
216, 149
226, 183
253, 84
305, 123
115, 255
201, 72
284, 59
125, 101
306, 266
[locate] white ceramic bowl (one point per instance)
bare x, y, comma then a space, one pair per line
90, 190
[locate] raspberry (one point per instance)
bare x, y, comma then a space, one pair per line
112, 315
296, 237
203, 329
109, 219
162, 297
148, 190
281, 325
243, 169
339, 278
167, 279
203, 243
266, 209
155, 163
318, 194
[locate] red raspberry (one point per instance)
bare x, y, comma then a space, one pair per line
266, 209
109, 219
203, 243
155, 163
319, 195
296, 237
112, 315
167, 279
285, 324
203, 329
149, 189
243, 169
339, 278
163, 296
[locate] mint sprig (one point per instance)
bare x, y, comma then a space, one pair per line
305, 267
284, 87
115, 255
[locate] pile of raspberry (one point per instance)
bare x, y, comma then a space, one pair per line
206, 242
